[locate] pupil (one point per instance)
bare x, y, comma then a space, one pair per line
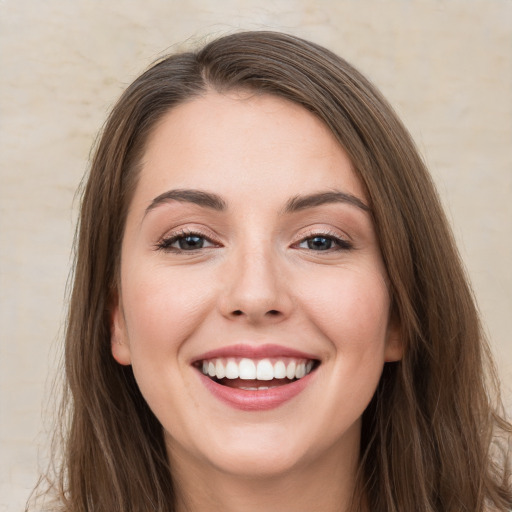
191, 242
319, 243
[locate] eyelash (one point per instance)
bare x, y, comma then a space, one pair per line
166, 243
341, 244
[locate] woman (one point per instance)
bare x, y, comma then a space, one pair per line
268, 311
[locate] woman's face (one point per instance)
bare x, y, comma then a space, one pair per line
249, 255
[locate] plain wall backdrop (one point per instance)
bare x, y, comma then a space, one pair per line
446, 66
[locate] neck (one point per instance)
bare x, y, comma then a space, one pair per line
327, 485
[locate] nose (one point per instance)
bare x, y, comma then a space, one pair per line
255, 289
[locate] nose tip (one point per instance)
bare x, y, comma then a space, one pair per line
255, 292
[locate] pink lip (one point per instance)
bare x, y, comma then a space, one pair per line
246, 400
254, 352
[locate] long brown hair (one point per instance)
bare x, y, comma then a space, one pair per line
428, 436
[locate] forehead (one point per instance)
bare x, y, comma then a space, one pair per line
239, 141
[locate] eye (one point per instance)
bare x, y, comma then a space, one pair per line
191, 242
324, 243
185, 242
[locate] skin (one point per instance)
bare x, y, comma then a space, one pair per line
254, 281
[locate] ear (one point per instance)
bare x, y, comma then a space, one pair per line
394, 345
118, 336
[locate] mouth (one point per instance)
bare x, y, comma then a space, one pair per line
256, 377
247, 374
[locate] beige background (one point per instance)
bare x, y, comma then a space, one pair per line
445, 64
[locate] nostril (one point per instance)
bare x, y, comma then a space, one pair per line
271, 312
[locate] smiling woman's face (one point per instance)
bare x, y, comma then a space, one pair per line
249, 254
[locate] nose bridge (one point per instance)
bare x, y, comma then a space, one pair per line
256, 286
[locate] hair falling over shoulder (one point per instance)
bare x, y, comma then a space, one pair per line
434, 437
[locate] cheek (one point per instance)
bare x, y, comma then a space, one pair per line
350, 307
163, 306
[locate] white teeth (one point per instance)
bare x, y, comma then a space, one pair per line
247, 369
300, 371
280, 370
263, 369
290, 370
231, 370
219, 369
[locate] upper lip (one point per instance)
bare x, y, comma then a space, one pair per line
254, 352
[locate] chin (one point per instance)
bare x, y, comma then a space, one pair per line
255, 451
259, 462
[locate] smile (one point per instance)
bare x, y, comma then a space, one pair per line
264, 373
258, 378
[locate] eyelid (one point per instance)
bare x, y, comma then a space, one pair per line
165, 242
343, 242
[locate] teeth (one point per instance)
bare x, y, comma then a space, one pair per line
280, 370
290, 370
247, 369
219, 369
232, 371
300, 371
264, 369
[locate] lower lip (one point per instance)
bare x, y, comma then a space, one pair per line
250, 400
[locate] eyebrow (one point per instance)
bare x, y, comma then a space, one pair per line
199, 197
298, 203
295, 204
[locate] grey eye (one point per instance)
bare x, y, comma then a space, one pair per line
190, 242
318, 243
185, 242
